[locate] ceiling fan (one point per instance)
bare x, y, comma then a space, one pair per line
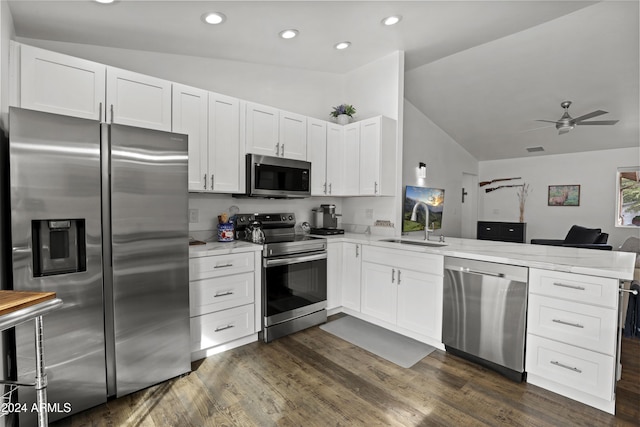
566, 122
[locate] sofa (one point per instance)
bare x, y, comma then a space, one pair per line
579, 237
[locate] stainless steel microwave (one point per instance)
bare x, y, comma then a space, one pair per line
275, 177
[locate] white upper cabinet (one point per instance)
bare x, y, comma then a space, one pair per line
377, 157
262, 130
225, 151
351, 166
138, 100
293, 136
335, 160
272, 132
190, 116
317, 155
56, 83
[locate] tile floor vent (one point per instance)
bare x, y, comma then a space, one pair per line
534, 149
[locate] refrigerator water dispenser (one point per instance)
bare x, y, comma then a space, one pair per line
59, 246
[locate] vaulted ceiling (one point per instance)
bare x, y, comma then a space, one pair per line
483, 71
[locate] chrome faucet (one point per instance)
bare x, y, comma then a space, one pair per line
414, 217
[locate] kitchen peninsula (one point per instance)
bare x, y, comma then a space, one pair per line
573, 304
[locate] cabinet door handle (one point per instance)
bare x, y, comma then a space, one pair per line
223, 294
212, 181
393, 275
399, 272
278, 149
357, 251
111, 113
282, 149
100, 112
330, 188
562, 365
223, 266
325, 187
205, 181
223, 328
562, 322
375, 187
564, 285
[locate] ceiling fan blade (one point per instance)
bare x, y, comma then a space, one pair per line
598, 122
590, 115
538, 128
563, 131
547, 121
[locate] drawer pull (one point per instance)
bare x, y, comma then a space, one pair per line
223, 294
223, 266
223, 328
554, 362
562, 322
564, 285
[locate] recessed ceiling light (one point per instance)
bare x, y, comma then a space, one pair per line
392, 20
288, 34
105, 1
214, 18
342, 45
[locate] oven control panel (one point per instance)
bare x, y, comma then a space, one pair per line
270, 220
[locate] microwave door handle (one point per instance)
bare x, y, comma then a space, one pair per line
293, 260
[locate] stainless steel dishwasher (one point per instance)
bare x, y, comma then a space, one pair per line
484, 314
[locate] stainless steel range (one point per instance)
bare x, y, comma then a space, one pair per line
294, 275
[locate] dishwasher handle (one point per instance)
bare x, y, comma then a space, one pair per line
463, 266
482, 273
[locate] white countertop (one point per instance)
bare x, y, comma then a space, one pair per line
593, 262
222, 248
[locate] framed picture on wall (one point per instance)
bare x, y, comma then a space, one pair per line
564, 195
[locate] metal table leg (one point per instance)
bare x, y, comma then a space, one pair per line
41, 376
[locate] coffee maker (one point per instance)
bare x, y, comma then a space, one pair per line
325, 220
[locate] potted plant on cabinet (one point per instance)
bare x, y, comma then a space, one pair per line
343, 113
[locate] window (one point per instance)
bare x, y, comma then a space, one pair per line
628, 197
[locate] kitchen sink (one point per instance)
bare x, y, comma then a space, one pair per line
414, 242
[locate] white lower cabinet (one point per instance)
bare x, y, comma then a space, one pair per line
404, 289
334, 273
572, 336
222, 296
214, 329
351, 275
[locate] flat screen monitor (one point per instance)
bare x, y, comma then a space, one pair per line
421, 203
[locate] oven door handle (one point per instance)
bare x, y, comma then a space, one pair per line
294, 260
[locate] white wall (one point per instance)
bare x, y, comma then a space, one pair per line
301, 91
6, 34
446, 162
594, 171
377, 89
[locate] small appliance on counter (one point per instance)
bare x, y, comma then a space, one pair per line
325, 221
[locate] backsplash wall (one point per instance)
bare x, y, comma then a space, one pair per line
209, 206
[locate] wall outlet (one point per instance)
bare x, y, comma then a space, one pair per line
368, 213
193, 215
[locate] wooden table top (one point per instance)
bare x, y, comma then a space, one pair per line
11, 301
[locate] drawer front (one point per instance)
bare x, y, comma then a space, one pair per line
220, 265
220, 293
583, 370
396, 258
587, 326
210, 330
574, 287
488, 230
513, 232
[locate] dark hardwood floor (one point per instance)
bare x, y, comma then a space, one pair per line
313, 378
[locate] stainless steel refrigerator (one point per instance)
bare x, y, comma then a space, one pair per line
98, 215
